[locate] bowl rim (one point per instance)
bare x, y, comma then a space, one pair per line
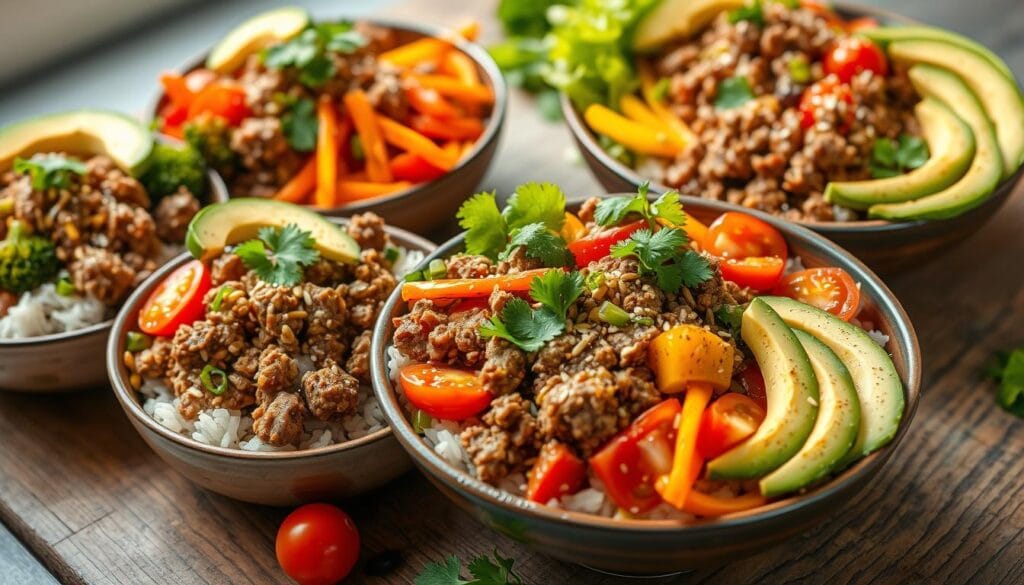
903, 335
474, 50
586, 141
133, 407
218, 193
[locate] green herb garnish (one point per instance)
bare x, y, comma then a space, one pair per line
49, 171
135, 341
731, 316
206, 377
799, 69
527, 18
751, 13
483, 571
391, 254
436, 269
65, 287
308, 52
1009, 372
300, 125
541, 244
218, 299
278, 254
664, 255
616, 150
613, 210
420, 421
488, 229
613, 314
355, 146
414, 276
660, 89
891, 158
529, 328
594, 280
733, 92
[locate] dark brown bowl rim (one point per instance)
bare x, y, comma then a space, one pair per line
903, 335
476, 52
218, 193
133, 407
587, 141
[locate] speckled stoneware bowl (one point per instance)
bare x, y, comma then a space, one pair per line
271, 478
66, 361
886, 246
642, 547
425, 206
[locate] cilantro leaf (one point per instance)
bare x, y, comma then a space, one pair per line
612, 210
695, 269
486, 231
279, 254
536, 202
300, 125
49, 171
751, 12
663, 255
890, 158
557, 290
912, 152
669, 208
308, 53
524, 327
447, 573
733, 92
497, 572
541, 244
1011, 384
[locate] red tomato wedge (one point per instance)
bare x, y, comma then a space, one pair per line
444, 392
597, 246
317, 544
177, 89
848, 56
221, 99
726, 422
463, 288
176, 301
633, 460
760, 273
829, 289
815, 95
738, 235
556, 473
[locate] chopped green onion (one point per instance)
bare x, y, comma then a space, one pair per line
437, 269
799, 69
660, 89
219, 299
595, 280
420, 421
414, 276
645, 321
356, 147
65, 288
391, 254
612, 314
206, 377
136, 341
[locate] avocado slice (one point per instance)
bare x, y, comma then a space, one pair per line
260, 31
887, 34
834, 431
951, 147
220, 225
84, 133
677, 19
792, 391
874, 376
981, 177
999, 96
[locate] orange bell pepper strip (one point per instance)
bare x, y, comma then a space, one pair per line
370, 134
460, 66
670, 120
469, 93
177, 89
349, 190
298, 187
701, 504
633, 135
465, 288
419, 51
573, 229
429, 102
675, 487
326, 154
448, 129
415, 142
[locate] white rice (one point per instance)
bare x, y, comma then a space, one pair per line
42, 311
407, 261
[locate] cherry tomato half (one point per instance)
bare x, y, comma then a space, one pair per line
738, 235
221, 99
598, 245
176, 301
633, 460
726, 422
817, 96
848, 56
443, 392
760, 273
317, 544
556, 473
829, 289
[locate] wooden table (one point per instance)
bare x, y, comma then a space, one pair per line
81, 491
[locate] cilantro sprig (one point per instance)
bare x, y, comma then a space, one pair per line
664, 255
533, 217
299, 124
733, 92
891, 158
1009, 372
49, 171
279, 254
483, 571
613, 210
308, 53
529, 328
540, 243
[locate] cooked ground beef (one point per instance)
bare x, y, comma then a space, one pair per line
505, 441
279, 420
101, 274
173, 214
330, 392
367, 230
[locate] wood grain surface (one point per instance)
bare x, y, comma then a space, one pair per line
80, 489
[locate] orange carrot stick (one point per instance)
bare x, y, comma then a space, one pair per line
366, 123
412, 141
428, 101
450, 129
326, 153
459, 65
456, 89
409, 54
299, 186
349, 190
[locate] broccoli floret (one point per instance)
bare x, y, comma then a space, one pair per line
211, 137
172, 167
26, 261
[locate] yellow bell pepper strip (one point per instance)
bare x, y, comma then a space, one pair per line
465, 288
326, 154
414, 53
368, 127
695, 230
635, 109
299, 187
675, 487
670, 120
573, 229
708, 506
633, 135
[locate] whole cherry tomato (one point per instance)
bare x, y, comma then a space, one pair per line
849, 56
317, 544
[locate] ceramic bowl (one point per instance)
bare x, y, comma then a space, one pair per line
425, 206
886, 246
66, 361
645, 547
270, 478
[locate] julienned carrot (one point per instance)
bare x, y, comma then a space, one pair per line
349, 190
453, 148
471, 93
409, 54
428, 101
633, 135
450, 129
413, 141
459, 65
326, 153
298, 187
671, 121
370, 135
413, 167
465, 288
